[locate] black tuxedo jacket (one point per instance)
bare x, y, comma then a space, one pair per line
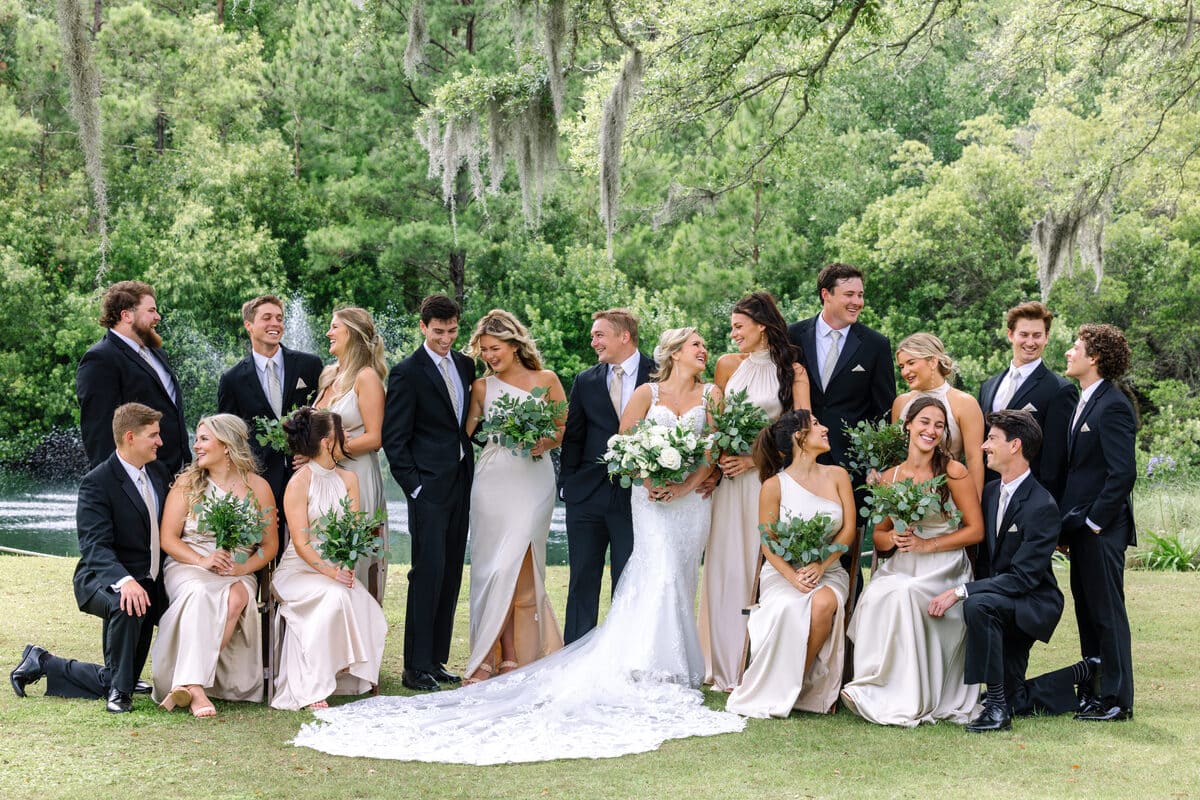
591, 421
863, 384
111, 374
1051, 399
1101, 466
113, 525
1016, 556
240, 392
421, 437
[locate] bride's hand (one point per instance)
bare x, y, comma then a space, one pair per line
708, 485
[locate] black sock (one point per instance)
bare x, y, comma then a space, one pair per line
1081, 671
995, 695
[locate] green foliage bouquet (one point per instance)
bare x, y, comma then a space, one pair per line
236, 523
270, 433
906, 503
344, 536
520, 424
737, 424
801, 541
659, 453
874, 446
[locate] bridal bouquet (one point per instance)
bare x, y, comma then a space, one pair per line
344, 536
801, 541
520, 424
737, 424
659, 453
874, 446
907, 503
270, 433
236, 523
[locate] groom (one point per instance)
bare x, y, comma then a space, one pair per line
598, 514
430, 455
119, 576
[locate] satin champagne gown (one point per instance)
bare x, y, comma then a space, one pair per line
187, 649
512, 498
776, 682
333, 640
731, 555
370, 488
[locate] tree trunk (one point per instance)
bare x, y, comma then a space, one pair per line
160, 131
470, 27
296, 144
458, 274
97, 21
221, 11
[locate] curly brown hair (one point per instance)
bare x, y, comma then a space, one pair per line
1106, 344
122, 296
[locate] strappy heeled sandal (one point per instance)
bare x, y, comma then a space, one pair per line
481, 668
179, 697
508, 666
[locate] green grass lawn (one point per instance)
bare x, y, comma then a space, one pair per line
51, 747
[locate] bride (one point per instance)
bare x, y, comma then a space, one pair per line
627, 686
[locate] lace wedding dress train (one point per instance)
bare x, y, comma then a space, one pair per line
626, 687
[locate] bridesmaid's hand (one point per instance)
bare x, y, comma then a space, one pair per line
299, 461
873, 476
221, 562
543, 446
344, 576
808, 576
733, 466
709, 484
907, 541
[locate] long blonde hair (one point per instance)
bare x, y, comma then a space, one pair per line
364, 348
507, 328
231, 431
926, 345
670, 343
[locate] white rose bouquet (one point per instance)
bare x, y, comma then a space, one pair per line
658, 453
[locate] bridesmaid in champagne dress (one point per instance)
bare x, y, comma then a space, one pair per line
334, 633
800, 609
908, 665
927, 368
209, 642
512, 497
353, 388
765, 367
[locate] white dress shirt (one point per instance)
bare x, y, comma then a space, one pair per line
628, 380
260, 366
824, 342
455, 378
1025, 370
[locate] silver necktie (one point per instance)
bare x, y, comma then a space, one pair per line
152, 508
274, 391
450, 388
831, 358
615, 388
1011, 381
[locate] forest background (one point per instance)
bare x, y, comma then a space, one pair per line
553, 158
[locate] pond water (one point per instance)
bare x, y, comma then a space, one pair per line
40, 518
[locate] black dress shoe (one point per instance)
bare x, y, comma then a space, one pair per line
994, 717
29, 669
141, 687
419, 680
119, 702
441, 675
1105, 711
1087, 690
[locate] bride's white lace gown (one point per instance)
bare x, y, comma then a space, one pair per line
626, 687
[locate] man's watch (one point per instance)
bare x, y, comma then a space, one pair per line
960, 592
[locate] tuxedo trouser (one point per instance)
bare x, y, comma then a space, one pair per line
1098, 585
126, 646
438, 532
998, 652
592, 529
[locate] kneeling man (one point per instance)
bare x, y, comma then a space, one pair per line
1014, 598
118, 577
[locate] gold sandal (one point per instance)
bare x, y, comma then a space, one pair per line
179, 697
509, 666
481, 668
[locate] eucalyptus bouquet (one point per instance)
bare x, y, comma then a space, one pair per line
906, 503
660, 453
737, 424
520, 424
236, 523
874, 446
344, 536
801, 541
270, 433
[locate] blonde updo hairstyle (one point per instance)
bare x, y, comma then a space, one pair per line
364, 348
670, 343
231, 432
507, 328
926, 345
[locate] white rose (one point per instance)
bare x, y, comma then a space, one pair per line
670, 458
612, 440
691, 441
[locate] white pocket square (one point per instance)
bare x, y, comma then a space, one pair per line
1012, 528
858, 368
300, 384
1085, 428
1030, 407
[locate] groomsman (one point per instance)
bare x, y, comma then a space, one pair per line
268, 383
598, 514
1097, 523
128, 365
1014, 599
851, 373
431, 457
119, 576
1029, 385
